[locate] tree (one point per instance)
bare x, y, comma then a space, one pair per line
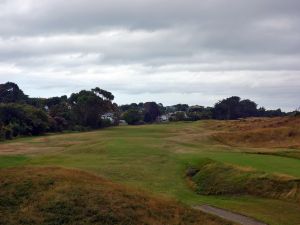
261, 111
124, 108
234, 108
179, 116
274, 113
199, 113
105, 95
10, 92
22, 119
196, 108
37, 102
53, 101
181, 107
162, 109
151, 112
20, 115
132, 116
248, 108
88, 106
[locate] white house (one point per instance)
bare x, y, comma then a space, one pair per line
163, 118
108, 116
122, 123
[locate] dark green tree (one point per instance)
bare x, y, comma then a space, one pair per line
132, 116
37, 102
88, 106
10, 92
248, 108
181, 107
234, 108
22, 119
199, 113
151, 112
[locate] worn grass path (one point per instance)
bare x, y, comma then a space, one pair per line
230, 216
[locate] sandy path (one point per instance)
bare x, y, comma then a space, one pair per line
225, 214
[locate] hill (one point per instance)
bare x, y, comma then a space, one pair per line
280, 132
154, 158
54, 196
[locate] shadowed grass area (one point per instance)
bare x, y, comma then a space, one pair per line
215, 178
155, 157
54, 196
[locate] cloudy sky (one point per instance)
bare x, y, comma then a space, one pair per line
169, 51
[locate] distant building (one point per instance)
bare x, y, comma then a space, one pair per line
163, 118
122, 123
108, 116
178, 116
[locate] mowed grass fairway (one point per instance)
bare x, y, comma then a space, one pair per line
155, 157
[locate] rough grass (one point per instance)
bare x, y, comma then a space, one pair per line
54, 196
283, 132
154, 158
215, 178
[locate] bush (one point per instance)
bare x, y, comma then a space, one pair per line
8, 133
79, 128
105, 123
21, 119
132, 116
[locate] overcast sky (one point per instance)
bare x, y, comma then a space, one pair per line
169, 51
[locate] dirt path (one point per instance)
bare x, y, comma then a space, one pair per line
225, 214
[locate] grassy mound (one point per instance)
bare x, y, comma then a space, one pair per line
60, 196
214, 178
261, 132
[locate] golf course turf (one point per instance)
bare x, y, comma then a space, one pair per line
154, 158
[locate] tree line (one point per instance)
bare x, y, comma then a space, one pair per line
21, 115
226, 109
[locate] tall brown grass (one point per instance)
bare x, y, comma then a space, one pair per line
281, 132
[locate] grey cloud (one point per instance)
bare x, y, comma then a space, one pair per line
158, 48
79, 15
208, 49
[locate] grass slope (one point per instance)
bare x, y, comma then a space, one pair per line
54, 196
155, 157
261, 132
215, 178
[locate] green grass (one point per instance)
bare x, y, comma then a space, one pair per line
266, 163
215, 178
12, 161
154, 158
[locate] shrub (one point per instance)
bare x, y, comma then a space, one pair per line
132, 116
21, 119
